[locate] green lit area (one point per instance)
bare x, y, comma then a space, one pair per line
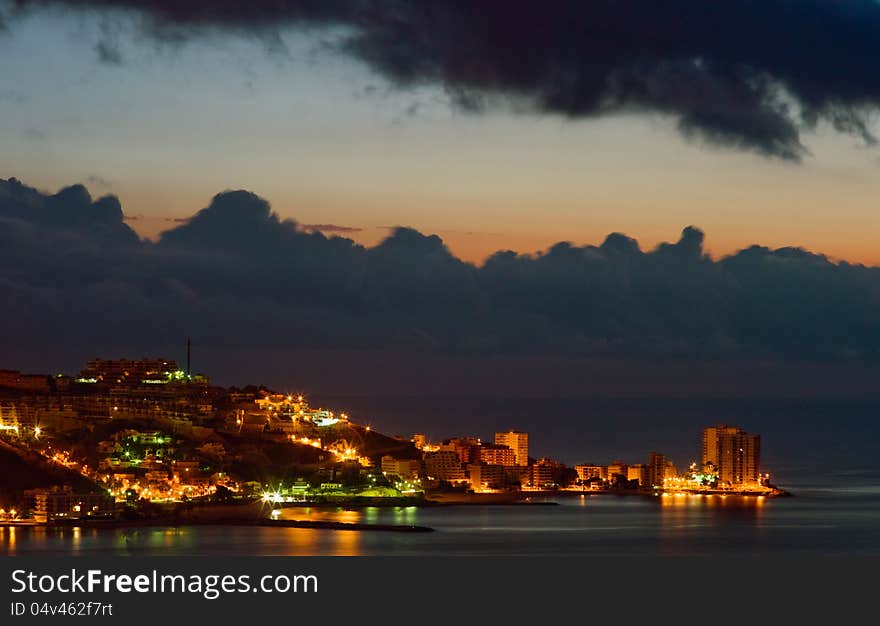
136, 448
373, 488
706, 480
176, 376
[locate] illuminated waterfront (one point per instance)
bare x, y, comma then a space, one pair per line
818, 520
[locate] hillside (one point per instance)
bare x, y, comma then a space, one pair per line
23, 470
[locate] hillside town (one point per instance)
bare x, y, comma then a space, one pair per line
132, 439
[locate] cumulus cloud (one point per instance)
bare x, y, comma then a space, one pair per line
71, 211
236, 274
738, 74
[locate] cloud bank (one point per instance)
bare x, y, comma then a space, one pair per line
235, 274
740, 74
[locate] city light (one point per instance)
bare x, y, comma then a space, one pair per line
152, 464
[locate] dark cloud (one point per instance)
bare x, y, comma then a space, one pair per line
236, 275
70, 211
108, 53
740, 74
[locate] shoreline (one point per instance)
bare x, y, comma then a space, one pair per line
254, 513
158, 523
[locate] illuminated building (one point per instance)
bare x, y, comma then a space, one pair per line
542, 474
467, 448
516, 441
497, 455
640, 473
57, 504
120, 371
616, 468
419, 440
588, 471
444, 465
282, 425
251, 423
659, 469
14, 379
299, 490
734, 453
321, 417
10, 423
403, 468
281, 405
484, 476
287, 413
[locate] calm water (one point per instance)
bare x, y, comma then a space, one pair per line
818, 520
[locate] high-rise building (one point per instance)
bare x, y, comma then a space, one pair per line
59, 504
444, 465
403, 468
659, 468
542, 474
485, 476
734, 453
29, 382
518, 442
495, 454
587, 471
616, 468
638, 472
710, 443
126, 370
467, 448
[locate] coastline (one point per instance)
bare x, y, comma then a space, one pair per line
258, 513
158, 523
255, 513
223, 515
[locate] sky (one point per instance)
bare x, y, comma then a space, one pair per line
330, 141
533, 188
315, 193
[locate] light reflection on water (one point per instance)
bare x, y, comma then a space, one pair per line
319, 514
592, 524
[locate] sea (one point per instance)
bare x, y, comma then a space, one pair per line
816, 521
